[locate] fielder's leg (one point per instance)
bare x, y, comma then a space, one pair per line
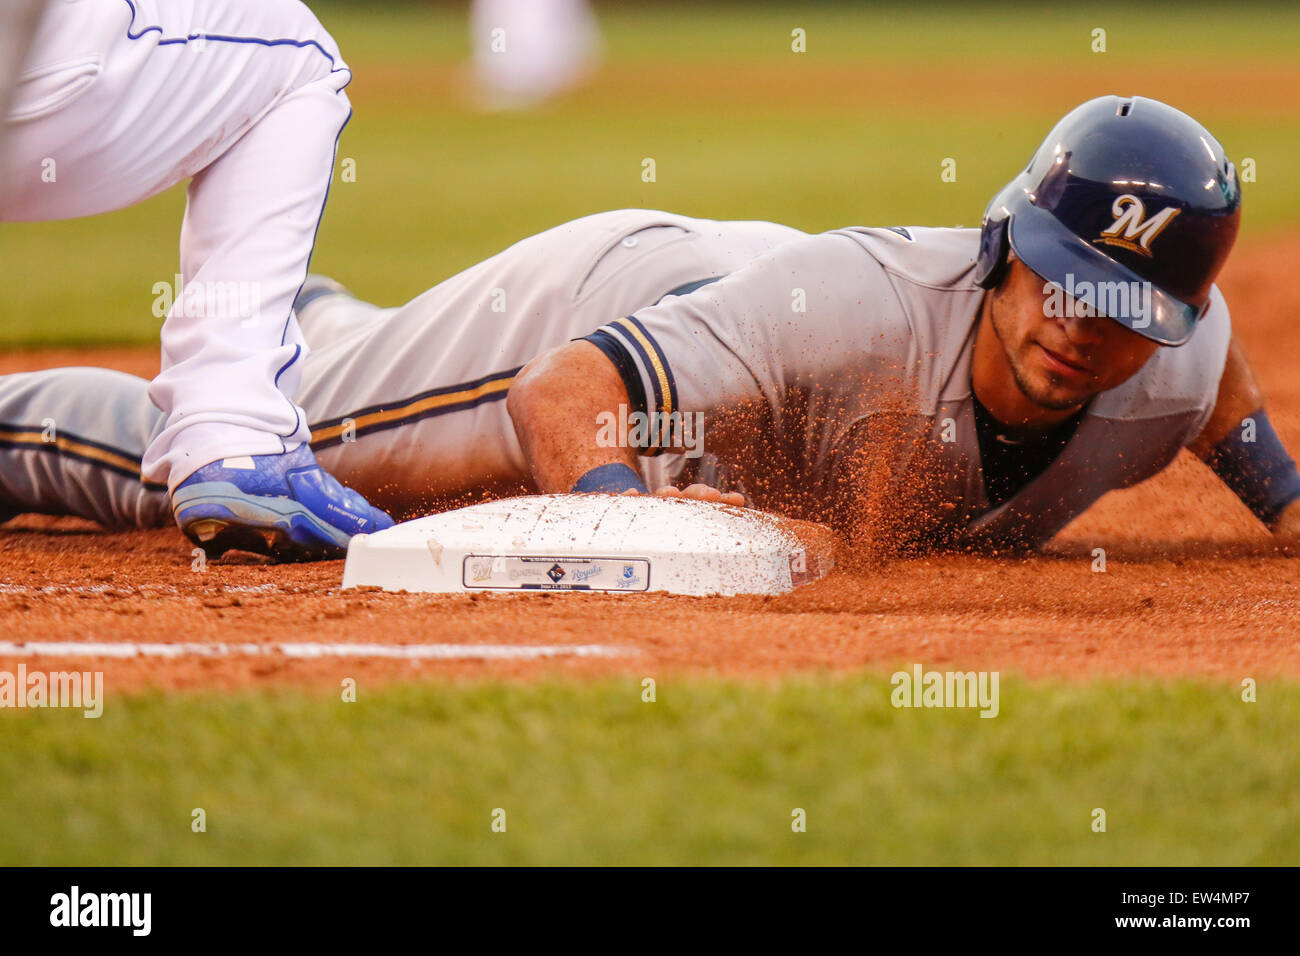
246, 97
18, 22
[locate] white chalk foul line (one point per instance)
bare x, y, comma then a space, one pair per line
408, 652
140, 590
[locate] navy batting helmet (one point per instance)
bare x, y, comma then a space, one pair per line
1125, 190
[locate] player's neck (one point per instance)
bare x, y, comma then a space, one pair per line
994, 382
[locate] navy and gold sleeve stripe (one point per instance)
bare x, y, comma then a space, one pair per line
627, 369
643, 367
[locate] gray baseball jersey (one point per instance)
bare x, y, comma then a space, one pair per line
866, 336
810, 348
409, 407
406, 405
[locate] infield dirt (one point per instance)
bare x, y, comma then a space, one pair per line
1193, 585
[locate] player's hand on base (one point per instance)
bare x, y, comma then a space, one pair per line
702, 492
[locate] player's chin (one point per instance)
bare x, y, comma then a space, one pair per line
1060, 397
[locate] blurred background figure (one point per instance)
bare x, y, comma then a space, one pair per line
529, 51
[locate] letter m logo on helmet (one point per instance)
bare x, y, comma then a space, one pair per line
1130, 230
1123, 190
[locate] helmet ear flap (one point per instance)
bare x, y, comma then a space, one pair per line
991, 265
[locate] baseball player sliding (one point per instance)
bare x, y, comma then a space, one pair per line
916, 386
119, 100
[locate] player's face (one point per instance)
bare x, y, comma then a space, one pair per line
1059, 362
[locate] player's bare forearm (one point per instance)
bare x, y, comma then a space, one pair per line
554, 402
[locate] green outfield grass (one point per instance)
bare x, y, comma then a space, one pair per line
687, 30
708, 774
832, 137
851, 132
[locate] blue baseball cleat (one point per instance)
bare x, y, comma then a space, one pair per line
285, 506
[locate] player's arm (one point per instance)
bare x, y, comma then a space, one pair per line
562, 404
732, 343
1239, 444
554, 402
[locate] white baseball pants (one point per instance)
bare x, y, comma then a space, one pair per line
119, 100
